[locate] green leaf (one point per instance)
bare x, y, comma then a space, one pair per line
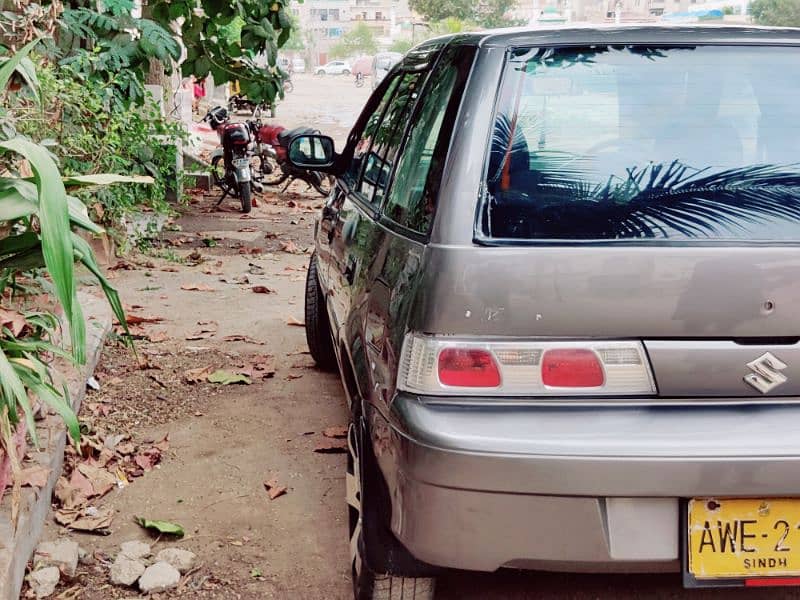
53, 212
119, 7
227, 378
161, 526
13, 62
59, 402
83, 252
14, 205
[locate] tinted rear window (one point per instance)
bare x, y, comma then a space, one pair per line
628, 142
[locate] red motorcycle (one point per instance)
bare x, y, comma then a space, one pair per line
230, 164
272, 146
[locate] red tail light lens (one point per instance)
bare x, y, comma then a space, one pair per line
572, 368
468, 367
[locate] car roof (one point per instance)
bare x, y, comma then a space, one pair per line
575, 34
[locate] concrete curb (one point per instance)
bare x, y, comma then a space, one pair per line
16, 547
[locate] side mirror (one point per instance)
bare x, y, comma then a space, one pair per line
314, 152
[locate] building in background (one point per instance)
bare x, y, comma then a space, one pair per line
548, 12
324, 22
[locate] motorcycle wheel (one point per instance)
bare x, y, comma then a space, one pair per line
288, 87
245, 195
218, 173
323, 183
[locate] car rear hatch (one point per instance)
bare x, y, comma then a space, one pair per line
644, 194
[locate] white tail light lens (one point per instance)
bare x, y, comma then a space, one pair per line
450, 366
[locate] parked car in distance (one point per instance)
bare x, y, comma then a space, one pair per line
382, 63
299, 65
559, 278
335, 67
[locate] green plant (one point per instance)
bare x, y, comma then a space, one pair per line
92, 137
784, 13
265, 27
359, 40
402, 45
38, 252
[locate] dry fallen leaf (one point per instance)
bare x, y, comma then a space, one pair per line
13, 320
125, 448
35, 476
295, 322
262, 289
170, 269
242, 338
101, 480
197, 375
336, 432
331, 447
89, 518
292, 376
197, 287
157, 337
207, 329
162, 444
137, 320
247, 230
290, 247
274, 489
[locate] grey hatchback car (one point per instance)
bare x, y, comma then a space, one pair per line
560, 278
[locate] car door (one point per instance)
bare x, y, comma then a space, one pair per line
356, 235
407, 213
338, 207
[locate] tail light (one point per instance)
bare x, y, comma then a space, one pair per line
454, 367
468, 367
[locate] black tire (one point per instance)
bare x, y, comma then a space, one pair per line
318, 328
365, 522
218, 173
346, 72
288, 87
245, 195
324, 184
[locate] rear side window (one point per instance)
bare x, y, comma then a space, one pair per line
633, 142
351, 176
412, 197
388, 136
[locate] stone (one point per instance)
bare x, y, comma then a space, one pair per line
135, 550
44, 581
181, 559
159, 577
62, 554
126, 571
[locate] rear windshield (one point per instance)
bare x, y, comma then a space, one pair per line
633, 142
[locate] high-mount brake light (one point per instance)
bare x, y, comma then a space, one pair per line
449, 366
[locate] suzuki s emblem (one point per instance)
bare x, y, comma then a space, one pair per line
766, 375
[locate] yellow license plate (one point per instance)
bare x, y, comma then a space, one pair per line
740, 538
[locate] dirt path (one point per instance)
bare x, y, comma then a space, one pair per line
225, 441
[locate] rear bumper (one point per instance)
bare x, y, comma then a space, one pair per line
572, 489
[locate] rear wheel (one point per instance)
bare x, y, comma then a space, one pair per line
346, 72
318, 328
245, 195
218, 173
367, 584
